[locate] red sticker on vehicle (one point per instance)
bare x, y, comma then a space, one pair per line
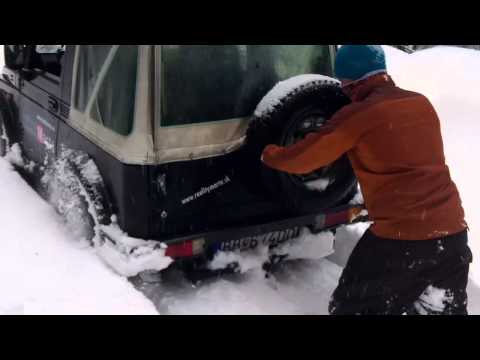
40, 134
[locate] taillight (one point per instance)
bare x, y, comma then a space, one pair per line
337, 218
344, 217
185, 249
357, 212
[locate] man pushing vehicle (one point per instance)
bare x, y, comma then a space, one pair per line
414, 259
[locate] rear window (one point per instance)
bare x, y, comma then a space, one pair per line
204, 83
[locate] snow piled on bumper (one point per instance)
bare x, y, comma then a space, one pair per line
306, 246
129, 256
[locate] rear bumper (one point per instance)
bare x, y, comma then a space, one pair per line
207, 243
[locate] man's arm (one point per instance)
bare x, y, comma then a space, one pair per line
316, 150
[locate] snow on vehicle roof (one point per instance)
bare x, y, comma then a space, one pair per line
284, 88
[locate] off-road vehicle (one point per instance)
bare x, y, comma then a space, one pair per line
176, 133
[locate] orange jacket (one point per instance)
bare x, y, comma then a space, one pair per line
393, 140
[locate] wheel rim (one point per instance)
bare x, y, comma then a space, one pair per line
309, 122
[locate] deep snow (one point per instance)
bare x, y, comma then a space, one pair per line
44, 270
449, 77
301, 287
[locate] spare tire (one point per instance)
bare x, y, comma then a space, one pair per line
303, 110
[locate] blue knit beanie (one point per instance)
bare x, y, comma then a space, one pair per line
356, 62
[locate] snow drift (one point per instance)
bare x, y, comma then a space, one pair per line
449, 77
44, 270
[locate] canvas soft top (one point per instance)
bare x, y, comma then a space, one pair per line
150, 140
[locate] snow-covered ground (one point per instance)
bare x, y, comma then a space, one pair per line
43, 270
302, 287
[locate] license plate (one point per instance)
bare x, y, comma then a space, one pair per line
271, 239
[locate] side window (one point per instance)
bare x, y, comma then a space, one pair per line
115, 102
48, 58
14, 56
39, 59
90, 61
45, 58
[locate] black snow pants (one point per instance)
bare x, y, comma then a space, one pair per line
395, 277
